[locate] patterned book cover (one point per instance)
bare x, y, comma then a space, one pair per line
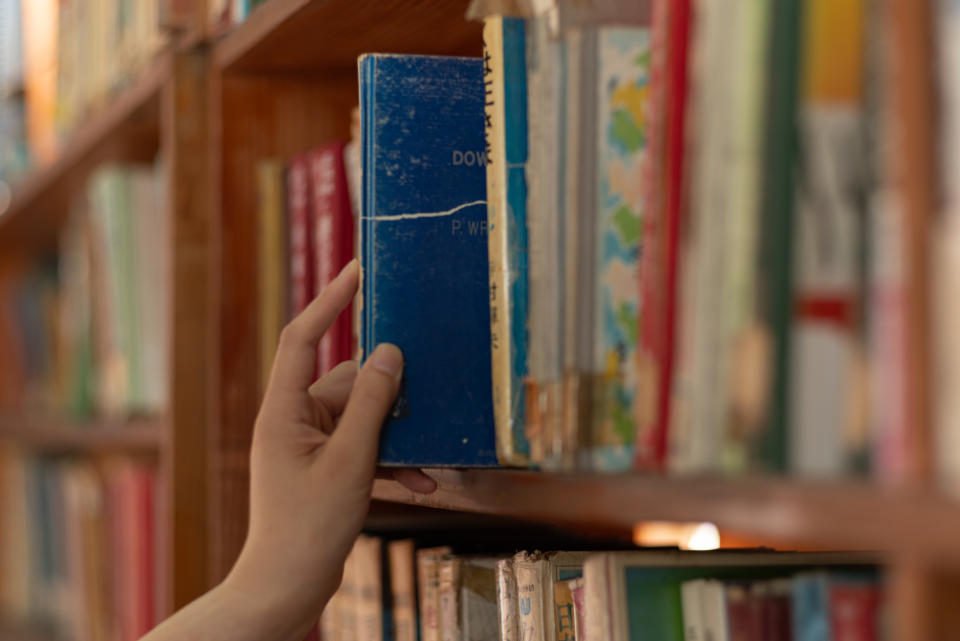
621, 86
424, 253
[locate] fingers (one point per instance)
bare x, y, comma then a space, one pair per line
296, 360
353, 446
333, 389
415, 480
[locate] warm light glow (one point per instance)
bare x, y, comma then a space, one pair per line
705, 536
686, 536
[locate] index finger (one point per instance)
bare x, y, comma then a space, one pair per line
295, 364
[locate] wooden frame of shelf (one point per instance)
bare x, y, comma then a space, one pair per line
842, 515
57, 435
127, 128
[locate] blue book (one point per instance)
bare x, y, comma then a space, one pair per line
424, 253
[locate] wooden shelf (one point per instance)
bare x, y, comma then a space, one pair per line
312, 35
127, 128
62, 435
840, 515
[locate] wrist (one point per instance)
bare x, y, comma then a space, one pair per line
262, 606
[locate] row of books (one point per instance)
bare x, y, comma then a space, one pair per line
79, 547
396, 590
306, 217
695, 244
59, 61
87, 331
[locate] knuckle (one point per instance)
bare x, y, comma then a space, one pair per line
290, 334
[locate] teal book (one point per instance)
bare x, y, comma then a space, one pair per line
425, 269
505, 85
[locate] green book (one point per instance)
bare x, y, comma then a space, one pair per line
775, 273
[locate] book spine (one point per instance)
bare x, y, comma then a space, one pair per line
403, 589
301, 237
776, 259
579, 608
651, 274
854, 607
507, 600
690, 604
565, 612
674, 142
620, 68
505, 106
448, 589
369, 597
597, 603
333, 244
271, 259
529, 570
713, 606
428, 590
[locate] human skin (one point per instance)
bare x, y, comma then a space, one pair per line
312, 466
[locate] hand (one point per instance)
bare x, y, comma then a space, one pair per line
312, 465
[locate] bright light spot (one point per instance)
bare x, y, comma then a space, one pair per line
705, 536
686, 536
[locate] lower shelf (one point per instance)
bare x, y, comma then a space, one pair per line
778, 511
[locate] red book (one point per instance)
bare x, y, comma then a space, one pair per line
854, 607
302, 272
665, 189
332, 220
745, 619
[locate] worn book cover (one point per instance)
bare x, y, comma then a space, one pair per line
424, 253
505, 85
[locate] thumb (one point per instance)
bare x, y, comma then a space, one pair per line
354, 443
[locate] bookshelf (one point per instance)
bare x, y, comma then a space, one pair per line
285, 81
127, 128
161, 110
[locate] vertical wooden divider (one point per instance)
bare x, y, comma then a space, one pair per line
253, 116
185, 144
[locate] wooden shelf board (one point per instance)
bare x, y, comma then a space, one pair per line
785, 512
63, 435
126, 128
305, 35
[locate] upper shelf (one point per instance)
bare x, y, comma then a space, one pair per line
126, 128
59, 435
787, 512
316, 35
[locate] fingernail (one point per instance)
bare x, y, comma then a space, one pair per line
349, 267
388, 359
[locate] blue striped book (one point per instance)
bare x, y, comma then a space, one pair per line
424, 253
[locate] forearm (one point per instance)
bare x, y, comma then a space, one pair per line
228, 614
